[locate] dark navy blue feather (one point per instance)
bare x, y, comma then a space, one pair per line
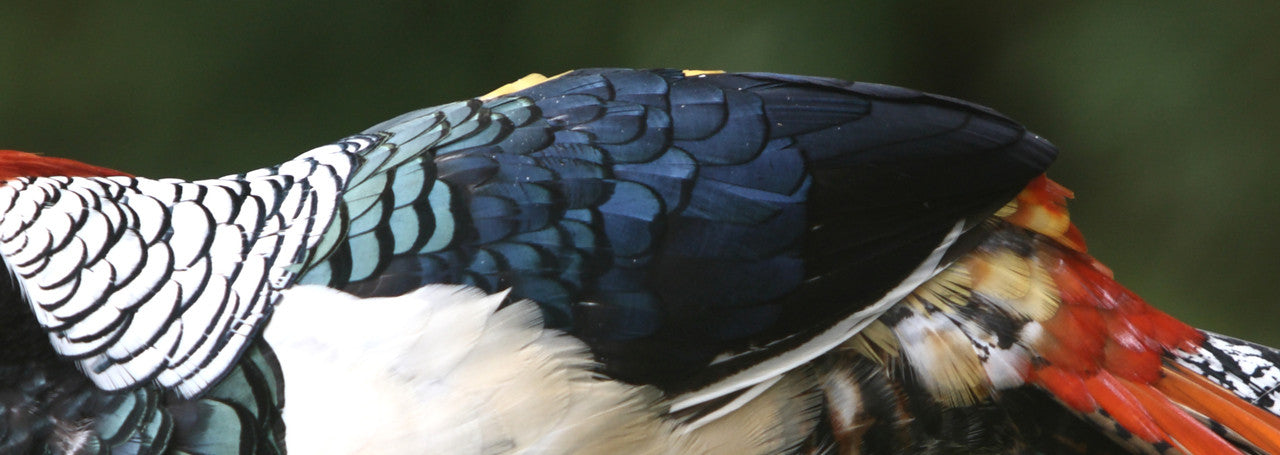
667, 219
642, 87
740, 138
651, 138
780, 169
670, 176
697, 111
629, 219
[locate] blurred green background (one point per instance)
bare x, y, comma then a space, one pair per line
1166, 112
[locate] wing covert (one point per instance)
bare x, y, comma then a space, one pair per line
667, 218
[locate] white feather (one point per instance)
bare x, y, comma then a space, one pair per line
442, 370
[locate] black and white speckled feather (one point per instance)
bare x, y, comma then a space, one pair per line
165, 280
1249, 370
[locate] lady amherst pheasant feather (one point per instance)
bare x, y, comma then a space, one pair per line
605, 261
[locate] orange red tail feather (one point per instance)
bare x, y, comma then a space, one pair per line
1106, 349
14, 164
1252, 423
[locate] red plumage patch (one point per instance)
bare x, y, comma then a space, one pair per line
1112, 396
1042, 207
1066, 385
14, 164
1100, 324
1105, 348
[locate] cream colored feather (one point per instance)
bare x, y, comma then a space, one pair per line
442, 370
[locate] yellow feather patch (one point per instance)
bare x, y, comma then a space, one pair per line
1042, 219
1008, 210
949, 289
1042, 208
876, 342
520, 84
1020, 285
692, 73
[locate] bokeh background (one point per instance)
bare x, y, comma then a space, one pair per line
1167, 113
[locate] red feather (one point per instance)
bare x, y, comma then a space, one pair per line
15, 164
1105, 349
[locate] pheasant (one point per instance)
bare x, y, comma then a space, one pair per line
608, 260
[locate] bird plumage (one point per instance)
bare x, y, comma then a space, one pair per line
453, 369
825, 266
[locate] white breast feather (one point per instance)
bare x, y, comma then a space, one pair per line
441, 370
